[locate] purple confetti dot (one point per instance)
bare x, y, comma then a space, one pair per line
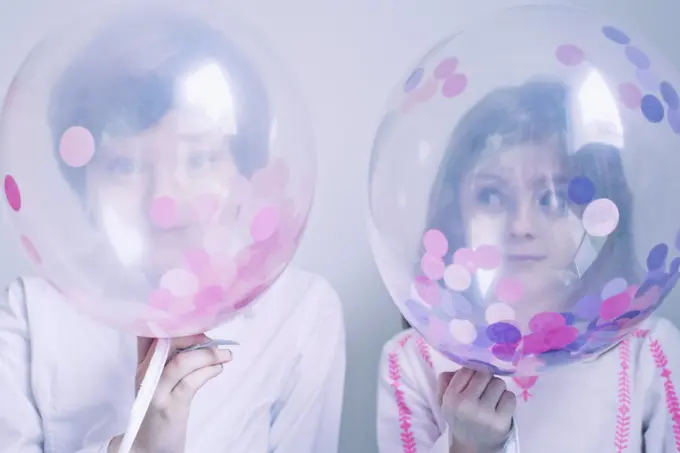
419, 312
669, 95
503, 333
674, 120
588, 307
645, 286
675, 265
629, 315
657, 256
569, 318
581, 190
652, 108
505, 352
413, 80
578, 343
616, 35
637, 57
482, 340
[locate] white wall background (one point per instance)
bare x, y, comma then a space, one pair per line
347, 56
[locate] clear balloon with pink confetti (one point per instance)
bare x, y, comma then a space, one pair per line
158, 165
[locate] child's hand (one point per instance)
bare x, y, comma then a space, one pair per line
478, 410
165, 424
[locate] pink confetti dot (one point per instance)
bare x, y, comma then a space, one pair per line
600, 217
180, 282
31, 250
161, 299
487, 257
509, 290
437, 331
457, 277
499, 312
646, 300
432, 266
409, 102
454, 85
630, 95
529, 366
535, 343
209, 296
462, 331
222, 274
427, 290
446, 67
570, 55
466, 257
435, 243
76, 146
264, 224
197, 259
426, 91
560, 337
615, 306
546, 321
164, 212
12, 193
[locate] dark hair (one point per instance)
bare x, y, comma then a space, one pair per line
123, 82
535, 112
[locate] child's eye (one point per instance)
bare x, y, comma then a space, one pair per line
201, 160
554, 202
490, 196
122, 166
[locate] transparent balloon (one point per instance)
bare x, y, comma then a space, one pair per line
158, 166
523, 187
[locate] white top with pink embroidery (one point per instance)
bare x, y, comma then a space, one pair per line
625, 401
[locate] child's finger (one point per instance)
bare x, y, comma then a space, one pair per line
492, 394
477, 385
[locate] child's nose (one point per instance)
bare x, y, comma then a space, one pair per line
166, 193
522, 222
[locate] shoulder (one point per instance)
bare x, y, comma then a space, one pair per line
657, 330
307, 295
306, 305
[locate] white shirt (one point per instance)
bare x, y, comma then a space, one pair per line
67, 383
625, 401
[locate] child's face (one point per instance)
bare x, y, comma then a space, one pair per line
150, 187
516, 199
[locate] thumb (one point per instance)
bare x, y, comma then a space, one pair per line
443, 381
144, 345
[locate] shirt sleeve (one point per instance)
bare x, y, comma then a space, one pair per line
660, 365
406, 421
310, 410
20, 426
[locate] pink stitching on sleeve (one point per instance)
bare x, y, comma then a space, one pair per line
623, 413
424, 351
525, 384
640, 333
408, 441
672, 404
